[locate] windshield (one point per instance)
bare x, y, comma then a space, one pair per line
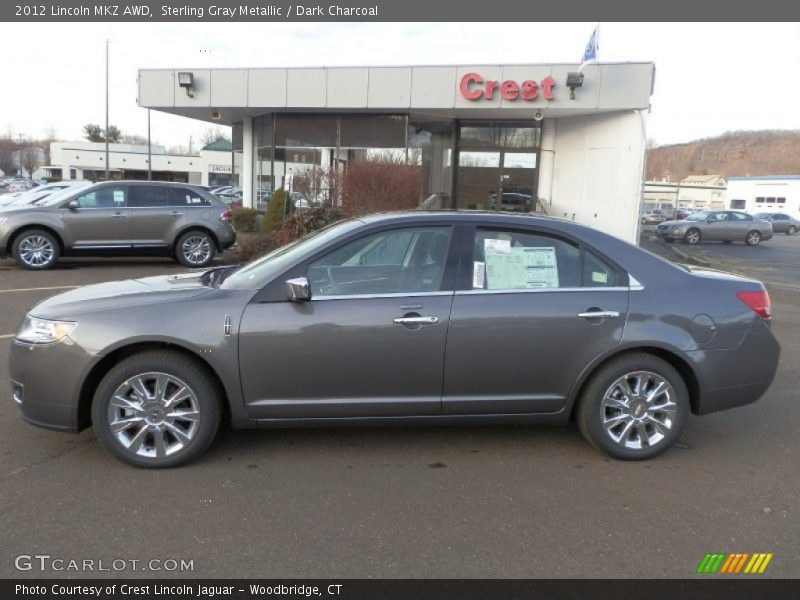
60, 195
255, 274
700, 216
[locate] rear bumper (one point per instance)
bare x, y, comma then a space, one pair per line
731, 378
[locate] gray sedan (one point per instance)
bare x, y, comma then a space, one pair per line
716, 225
781, 222
424, 318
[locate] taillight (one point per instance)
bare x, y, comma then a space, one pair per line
226, 216
758, 301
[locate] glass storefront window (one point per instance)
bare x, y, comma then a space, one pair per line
497, 165
430, 147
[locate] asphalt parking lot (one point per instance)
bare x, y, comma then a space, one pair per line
455, 502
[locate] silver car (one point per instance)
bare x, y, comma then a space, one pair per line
426, 318
781, 222
130, 217
716, 225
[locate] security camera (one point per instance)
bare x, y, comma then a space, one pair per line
538, 116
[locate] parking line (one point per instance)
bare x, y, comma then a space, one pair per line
55, 287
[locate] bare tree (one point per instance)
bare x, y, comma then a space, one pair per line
215, 133
30, 157
7, 150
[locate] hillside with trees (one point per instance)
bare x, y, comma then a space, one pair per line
735, 153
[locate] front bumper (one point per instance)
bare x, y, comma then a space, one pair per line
46, 383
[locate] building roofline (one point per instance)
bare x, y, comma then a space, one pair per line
763, 177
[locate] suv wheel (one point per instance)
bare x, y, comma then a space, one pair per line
752, 239
156, 409
36, 249
634, 407
692, 236
195, 249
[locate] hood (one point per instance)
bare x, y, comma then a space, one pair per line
673, 222
120, 294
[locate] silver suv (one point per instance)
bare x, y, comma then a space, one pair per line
131, 217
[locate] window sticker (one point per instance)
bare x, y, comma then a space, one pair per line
501, 246
478, 273
119, 197
599, 277
522, 268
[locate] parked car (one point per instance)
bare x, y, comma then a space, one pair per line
417, 317
682, 213
655, 216
781, 222
716, 225
132, 217
19, 198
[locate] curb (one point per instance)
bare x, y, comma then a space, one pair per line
693, 259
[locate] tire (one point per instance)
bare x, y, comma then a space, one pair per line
182, 440
195, 249
693, 236
642, 439
36, 249
752, 238
791, 231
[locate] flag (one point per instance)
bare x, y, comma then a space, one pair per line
590, 54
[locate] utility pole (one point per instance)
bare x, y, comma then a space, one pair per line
107, 166
149, 152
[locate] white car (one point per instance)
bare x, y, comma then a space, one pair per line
26, 197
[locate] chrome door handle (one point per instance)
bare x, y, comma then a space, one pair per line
176, 213
118, 216
599, 314
416, 320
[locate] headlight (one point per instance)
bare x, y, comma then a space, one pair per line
41, 331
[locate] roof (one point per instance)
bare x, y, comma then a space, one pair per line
219, 146
701, 178
764, 177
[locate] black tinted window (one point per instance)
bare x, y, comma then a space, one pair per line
179, 196
147, 196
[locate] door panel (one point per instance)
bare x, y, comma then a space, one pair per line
153, 221
521, 352
101, 220
343, 357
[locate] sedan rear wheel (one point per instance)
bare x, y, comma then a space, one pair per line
692, 236
634, 407
791, 231
156, 409
753, 237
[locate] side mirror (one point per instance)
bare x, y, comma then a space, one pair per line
73, 205
297, 290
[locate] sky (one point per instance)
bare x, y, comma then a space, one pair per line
710, 77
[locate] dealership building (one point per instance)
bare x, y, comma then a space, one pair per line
486, 137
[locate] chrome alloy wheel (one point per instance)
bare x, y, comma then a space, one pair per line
36, 250
196, 249
638, 410
692, 237
753, 238
153, 415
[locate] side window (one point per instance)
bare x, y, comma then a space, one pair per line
185, 197
513, 260
389, 262
105, 197
147, 196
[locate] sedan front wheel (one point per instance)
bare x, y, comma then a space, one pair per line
157, 409
634, 407
692, 236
